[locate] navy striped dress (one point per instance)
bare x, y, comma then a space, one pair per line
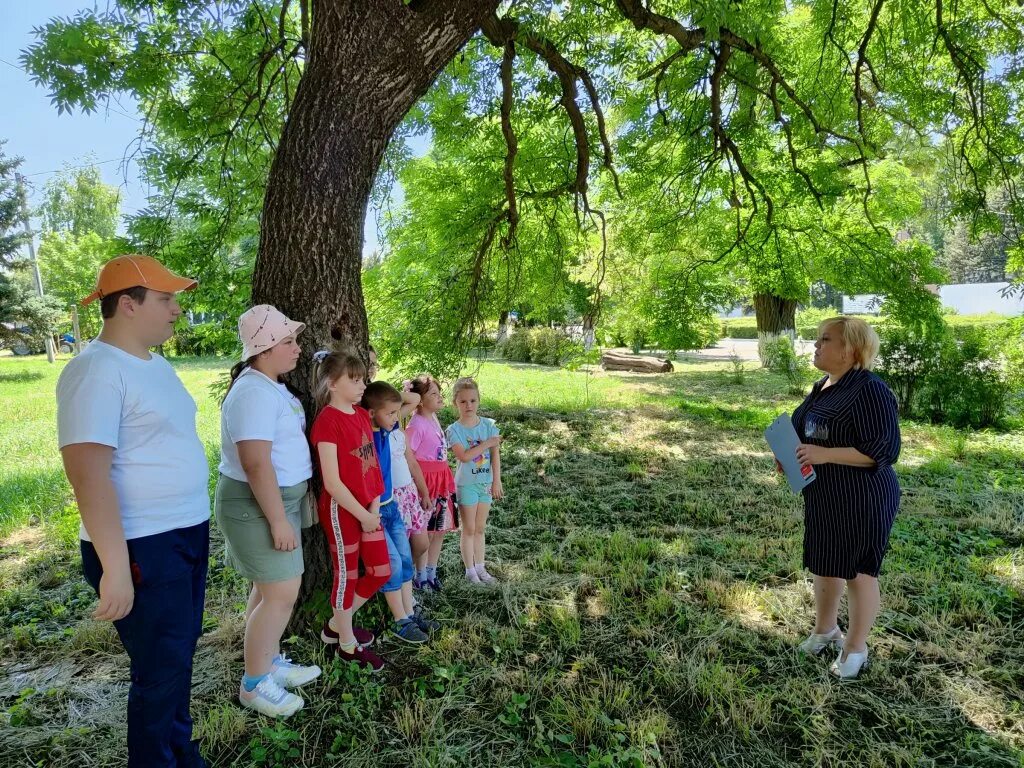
849, 511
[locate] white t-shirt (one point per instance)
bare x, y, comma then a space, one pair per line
258, 408
400, 474
141, 409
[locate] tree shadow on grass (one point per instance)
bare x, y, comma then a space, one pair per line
652, 595
689, 558
19, 377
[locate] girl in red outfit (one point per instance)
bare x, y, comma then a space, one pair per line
349, 507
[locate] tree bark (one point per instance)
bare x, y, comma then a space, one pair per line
588, 332
618, 361
776, 317
368, 64
502, 327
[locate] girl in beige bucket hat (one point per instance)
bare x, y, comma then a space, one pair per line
264, 470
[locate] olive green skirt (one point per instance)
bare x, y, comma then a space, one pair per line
249, 544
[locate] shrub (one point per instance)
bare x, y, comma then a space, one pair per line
550, 347
778, 355
544, 346
205, 339
516, 346
944, 379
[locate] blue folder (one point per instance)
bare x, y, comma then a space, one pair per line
783, 441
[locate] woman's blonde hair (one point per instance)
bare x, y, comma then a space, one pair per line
466, 382
859, 339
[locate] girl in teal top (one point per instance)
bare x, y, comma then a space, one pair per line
474, 441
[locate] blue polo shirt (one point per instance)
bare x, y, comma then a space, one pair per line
380, 442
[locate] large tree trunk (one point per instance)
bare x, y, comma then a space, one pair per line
776, 317
368, 64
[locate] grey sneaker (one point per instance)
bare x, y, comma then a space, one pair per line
289, 675
270, 699
409, 631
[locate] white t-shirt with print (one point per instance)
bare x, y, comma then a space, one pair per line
141, 409
401, 476
258, 408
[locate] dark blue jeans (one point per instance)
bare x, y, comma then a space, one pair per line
160, 635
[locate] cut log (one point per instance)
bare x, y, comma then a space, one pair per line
620, 361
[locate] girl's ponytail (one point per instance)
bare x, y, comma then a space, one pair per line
236, 371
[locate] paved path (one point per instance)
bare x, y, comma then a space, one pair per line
745, 349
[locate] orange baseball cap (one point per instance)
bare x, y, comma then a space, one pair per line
132, 270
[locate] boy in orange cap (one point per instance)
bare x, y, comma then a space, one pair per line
126, 428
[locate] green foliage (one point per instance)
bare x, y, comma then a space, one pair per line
543, 346
807, 324
946, 380
69, 264
275, 747
516, 346
12, 236
206, 339
26, 319
77, 202
779, 355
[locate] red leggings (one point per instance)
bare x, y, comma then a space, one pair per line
345, 534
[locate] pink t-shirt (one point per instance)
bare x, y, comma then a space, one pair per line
426, 438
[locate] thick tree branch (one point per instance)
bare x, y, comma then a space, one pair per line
511, 142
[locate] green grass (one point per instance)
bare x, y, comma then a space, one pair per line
652, 595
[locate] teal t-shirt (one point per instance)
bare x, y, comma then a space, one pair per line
478, 470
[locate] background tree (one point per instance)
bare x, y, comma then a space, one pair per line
77, 202
12, 233
79, 217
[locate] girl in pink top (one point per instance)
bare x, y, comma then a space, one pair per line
427, 441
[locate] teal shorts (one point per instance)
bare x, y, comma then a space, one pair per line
474, 493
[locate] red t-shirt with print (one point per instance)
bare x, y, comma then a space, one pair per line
357, 459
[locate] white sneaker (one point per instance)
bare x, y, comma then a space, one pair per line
815, 644
270, 699
849, 669
483, 575
290, 675
471, 576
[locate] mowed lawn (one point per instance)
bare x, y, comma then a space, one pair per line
651, 598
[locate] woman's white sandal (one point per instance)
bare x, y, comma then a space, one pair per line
849, 669
815, 644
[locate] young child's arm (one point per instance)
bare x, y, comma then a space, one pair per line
466, 455
369, 519
409, 402
497, 491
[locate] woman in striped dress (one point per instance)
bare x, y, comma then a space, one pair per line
849, 432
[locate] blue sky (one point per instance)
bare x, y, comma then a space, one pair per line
48, 141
